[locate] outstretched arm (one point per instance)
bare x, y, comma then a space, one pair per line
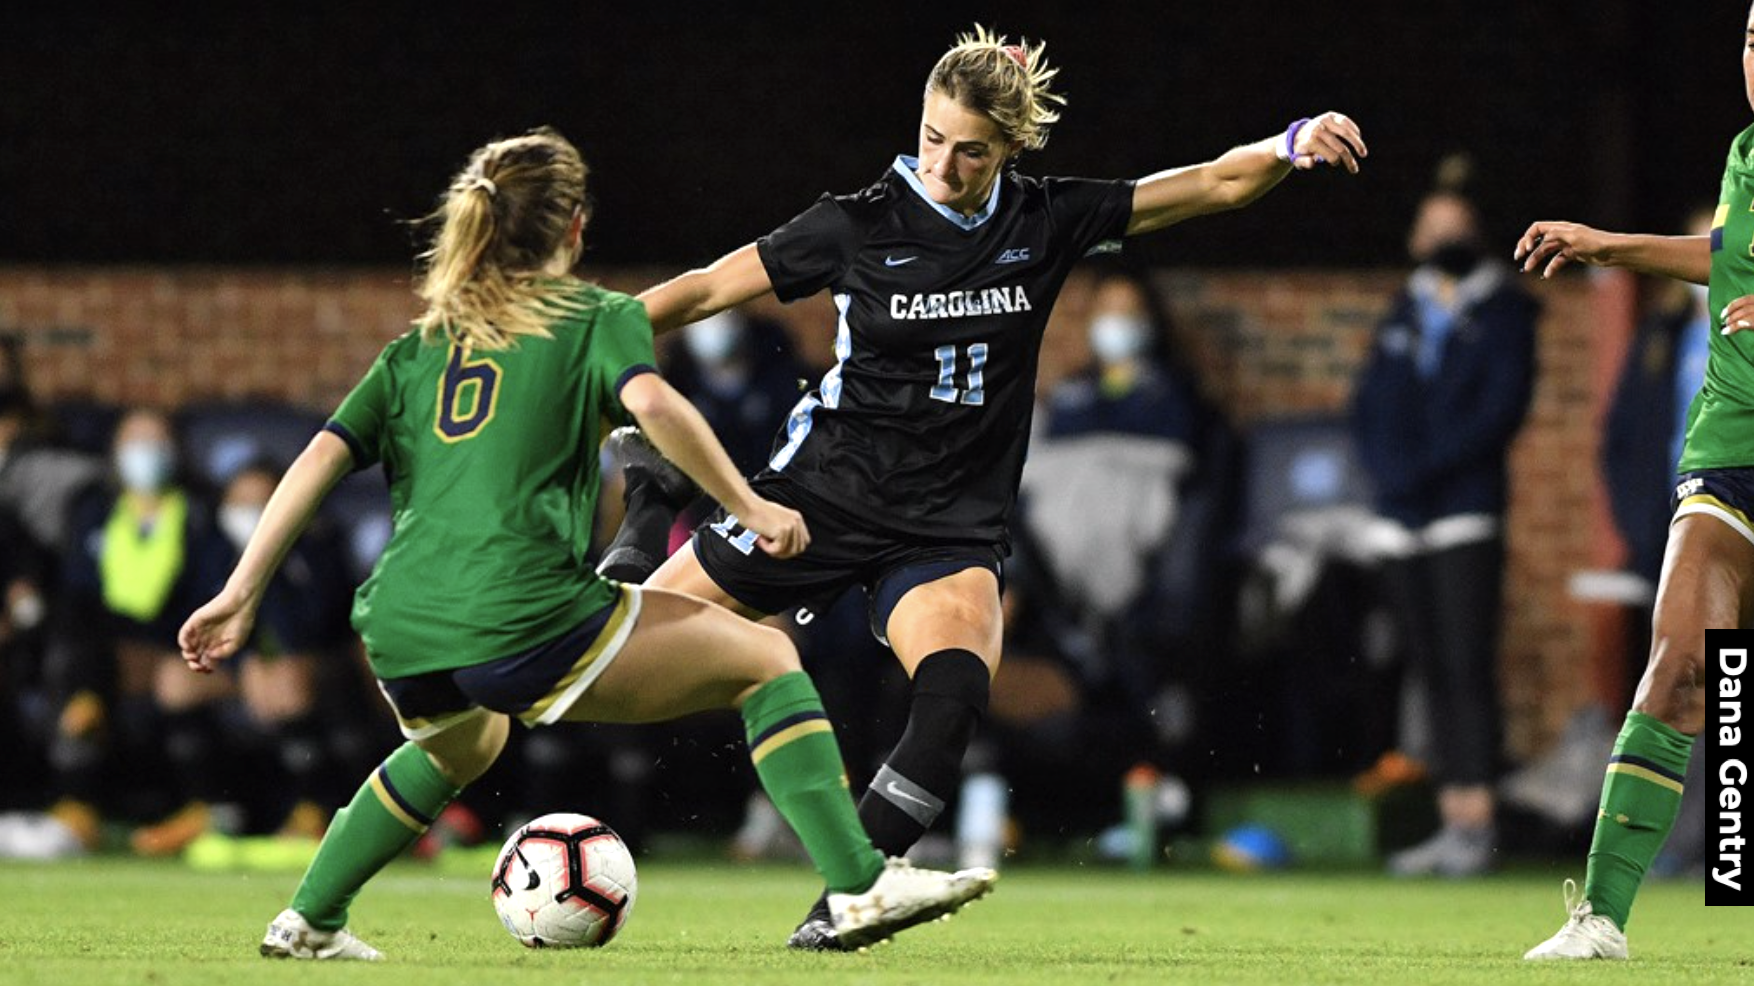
731, 280
1243, 174
218, 629
1552, 245
678, 430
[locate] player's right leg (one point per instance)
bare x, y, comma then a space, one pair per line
452, 742
1705, 585
686, 655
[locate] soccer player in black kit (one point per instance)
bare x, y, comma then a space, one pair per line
905, 460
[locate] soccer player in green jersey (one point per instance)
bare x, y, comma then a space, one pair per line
483, 606
1708, 566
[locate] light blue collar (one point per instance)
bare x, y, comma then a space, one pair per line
908, 168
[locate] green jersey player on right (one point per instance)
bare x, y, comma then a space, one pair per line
1708, 567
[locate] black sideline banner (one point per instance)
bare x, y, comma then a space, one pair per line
1729, 751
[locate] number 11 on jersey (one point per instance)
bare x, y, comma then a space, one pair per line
971, 392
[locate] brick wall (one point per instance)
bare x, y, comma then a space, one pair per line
1267, 343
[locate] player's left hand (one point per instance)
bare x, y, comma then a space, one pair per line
1331, 139
1738, 315
215, 632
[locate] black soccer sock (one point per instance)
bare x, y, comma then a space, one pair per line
643, 541
303, 754
77, 763
190, 746
911, 788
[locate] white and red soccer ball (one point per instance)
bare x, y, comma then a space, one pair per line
564, 881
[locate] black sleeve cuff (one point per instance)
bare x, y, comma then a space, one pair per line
631, 372
360, 458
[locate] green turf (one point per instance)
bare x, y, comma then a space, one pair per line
117, 921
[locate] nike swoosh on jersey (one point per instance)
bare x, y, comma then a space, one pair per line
897, 262
898, 792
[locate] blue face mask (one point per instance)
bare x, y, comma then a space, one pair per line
1118, 338
144, 466
239, 521
713, 341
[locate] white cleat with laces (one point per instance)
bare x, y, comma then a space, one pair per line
1586, 935
290, 936
903, 896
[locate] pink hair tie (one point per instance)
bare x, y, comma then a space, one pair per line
1017, 54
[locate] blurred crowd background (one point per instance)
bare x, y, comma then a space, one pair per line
1221, 577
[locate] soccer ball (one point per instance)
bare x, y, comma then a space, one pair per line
564, 881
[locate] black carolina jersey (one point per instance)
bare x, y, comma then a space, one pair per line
922, 424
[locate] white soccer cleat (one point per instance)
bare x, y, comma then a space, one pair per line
1454, 852
903, 896
1586, 935
290, 936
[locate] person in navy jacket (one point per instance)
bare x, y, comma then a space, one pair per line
1444, 391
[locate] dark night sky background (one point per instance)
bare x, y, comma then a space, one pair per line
304, 133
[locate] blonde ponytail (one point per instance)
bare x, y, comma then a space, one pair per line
505, 216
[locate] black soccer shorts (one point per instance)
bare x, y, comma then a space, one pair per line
842, 553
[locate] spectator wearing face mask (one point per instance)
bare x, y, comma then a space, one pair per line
1119, 448
142, 554
1117, 443
743, 375
26, 567
39, 481
301, 623
1443, 393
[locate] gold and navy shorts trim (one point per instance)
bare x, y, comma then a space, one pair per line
1727, 494
1645, 770
537, 685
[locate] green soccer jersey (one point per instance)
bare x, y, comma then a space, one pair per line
1720, 421
492, 464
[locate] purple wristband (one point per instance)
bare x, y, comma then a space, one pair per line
1290, 156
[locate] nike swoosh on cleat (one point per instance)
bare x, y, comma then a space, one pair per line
897, 262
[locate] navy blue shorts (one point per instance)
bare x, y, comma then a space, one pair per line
537, 685
1727, 494
842, 554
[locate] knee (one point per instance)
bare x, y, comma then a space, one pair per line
956, 675
768, 654
775, 653
1673, 686
462, 758
277, 708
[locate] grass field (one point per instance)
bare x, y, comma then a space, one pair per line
120, 921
